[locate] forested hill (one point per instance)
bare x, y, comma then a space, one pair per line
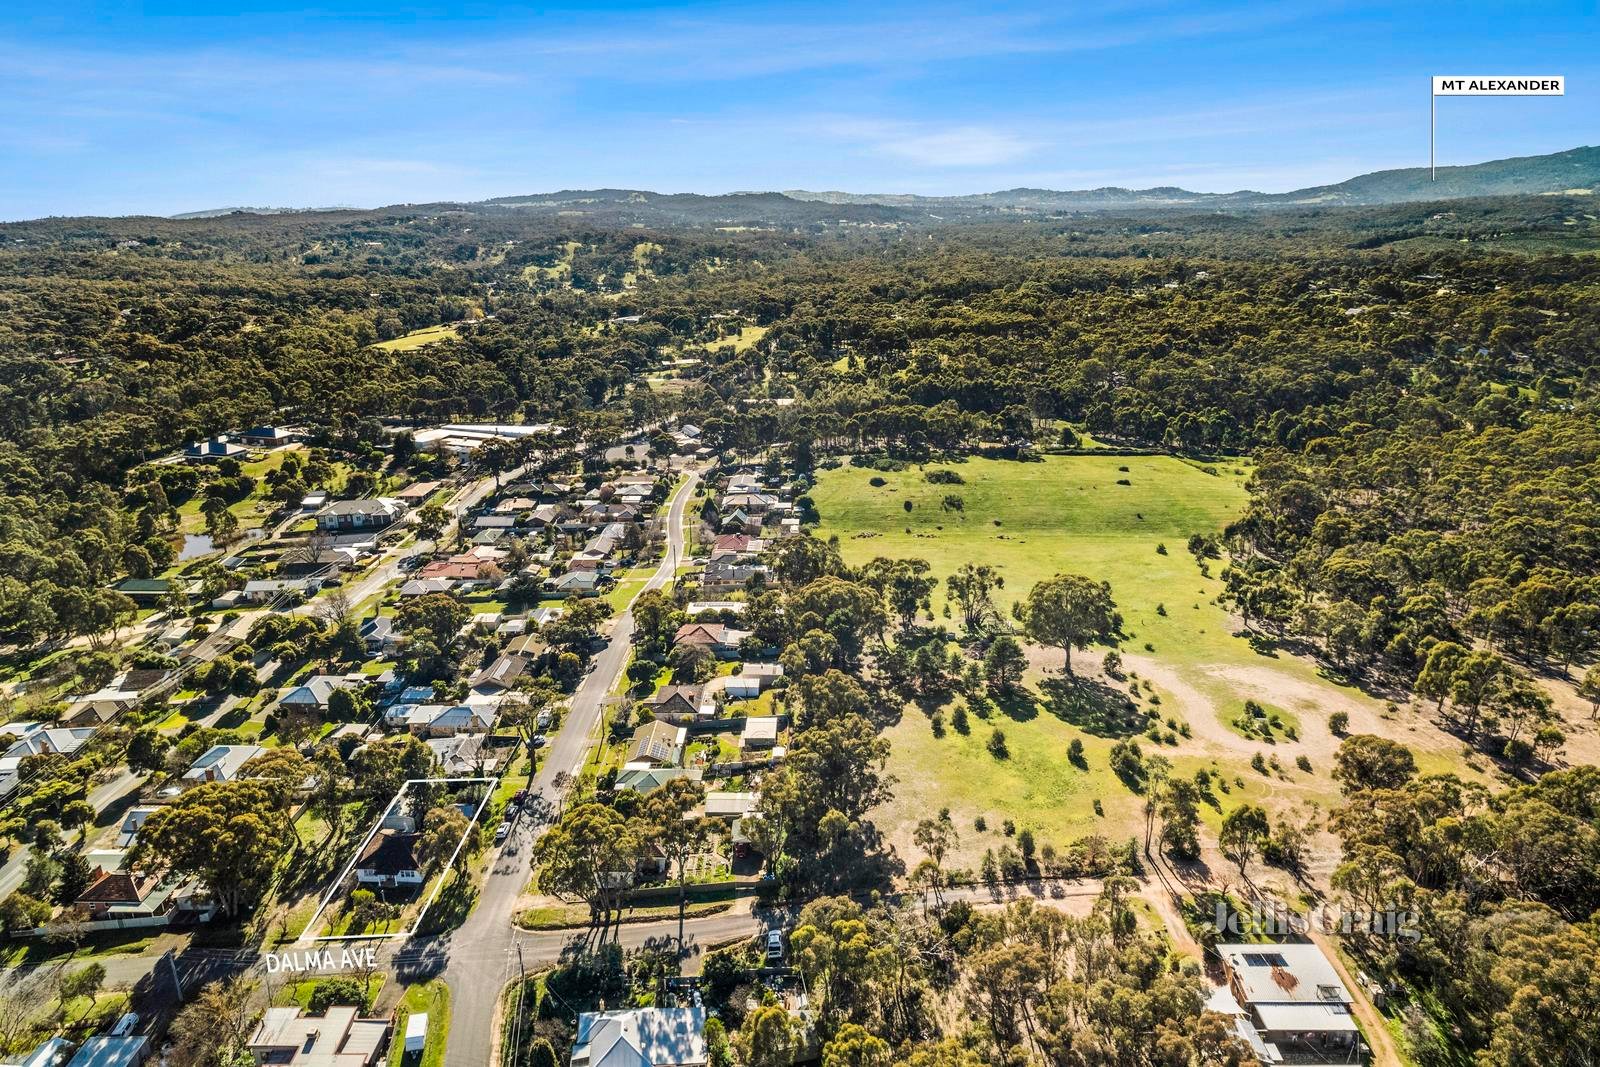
1573, 172
1578, 169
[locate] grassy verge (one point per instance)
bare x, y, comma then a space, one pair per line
576, 916
432, 997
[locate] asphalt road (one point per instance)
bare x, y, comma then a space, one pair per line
482, 951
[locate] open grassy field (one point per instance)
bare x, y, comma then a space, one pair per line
560, 271
747, 336
1072, 514
417, 338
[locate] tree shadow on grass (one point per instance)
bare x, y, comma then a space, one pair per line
452, 907
1018, 705
1092, 706
235, 718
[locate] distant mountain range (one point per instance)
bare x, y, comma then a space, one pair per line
218, 212
1574, 172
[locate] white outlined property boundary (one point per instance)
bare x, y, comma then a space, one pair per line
338, 883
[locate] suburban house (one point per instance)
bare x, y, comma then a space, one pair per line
442, 720
109, 1050
326, 563
462, 755
696, 608
740, 520
676, 702
760, 732
269, 436
726, 805
530, 647
735, 545
174, 635
220, 763
219, 447
499, 675
54, 1052
287, 1036
116, 696
644, 779
643, 1037
426, 586
262, 590
454, 570
132, 823
752, 680
315, 691
378, 634
577, 583
656, 744
122, 894
716, 638
373, 514
389, 860
151, 590
606, 514
749, 503
416, 493
729, 575
48, 741
1296, 1007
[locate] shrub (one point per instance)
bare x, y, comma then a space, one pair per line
1338, 723
336, 991
997, 745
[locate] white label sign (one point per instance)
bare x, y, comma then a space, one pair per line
321, 960
1499, 85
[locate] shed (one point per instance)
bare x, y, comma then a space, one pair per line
416, 1031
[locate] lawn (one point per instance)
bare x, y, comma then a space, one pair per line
627, 586
432, 997
417, 338
744, 339
1070, 514
576, 916
251, 512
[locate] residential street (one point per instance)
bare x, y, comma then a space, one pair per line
482, 952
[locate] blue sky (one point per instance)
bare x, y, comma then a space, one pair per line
166, 105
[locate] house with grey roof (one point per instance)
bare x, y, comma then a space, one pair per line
367, 514
642, 1037
220, 763
1293, 1005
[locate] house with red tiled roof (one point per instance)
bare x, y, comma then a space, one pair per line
452, 570
116, 892
717, 638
